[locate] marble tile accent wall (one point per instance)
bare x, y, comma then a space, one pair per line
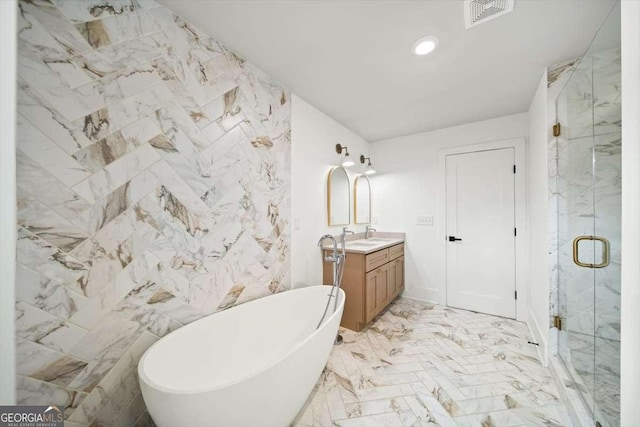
153, 190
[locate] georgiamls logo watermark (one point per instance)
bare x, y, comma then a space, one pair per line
31, 416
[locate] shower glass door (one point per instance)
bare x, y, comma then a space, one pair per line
589, 200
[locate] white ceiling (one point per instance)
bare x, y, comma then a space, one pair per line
352, 59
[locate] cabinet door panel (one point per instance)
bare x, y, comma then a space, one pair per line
399, 275
371, 307
392, 280
377, 282
382, 286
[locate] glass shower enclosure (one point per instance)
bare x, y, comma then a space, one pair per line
589, 209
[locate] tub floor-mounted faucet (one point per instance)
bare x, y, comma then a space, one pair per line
334, 256
337, 258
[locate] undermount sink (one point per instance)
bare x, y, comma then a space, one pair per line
372, 244
364, 244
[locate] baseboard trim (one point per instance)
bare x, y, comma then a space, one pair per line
541, 338
420, 300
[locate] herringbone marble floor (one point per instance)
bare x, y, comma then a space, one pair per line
420, 364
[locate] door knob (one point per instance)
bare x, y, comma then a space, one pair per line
453, 239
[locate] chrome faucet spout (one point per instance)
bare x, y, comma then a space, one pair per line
345, 231
368, 230
325, 237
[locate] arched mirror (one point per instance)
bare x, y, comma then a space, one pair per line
362, 200
338, 200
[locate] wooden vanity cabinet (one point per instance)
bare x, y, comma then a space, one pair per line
370, 281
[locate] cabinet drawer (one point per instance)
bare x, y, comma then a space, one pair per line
396, 251
376, 259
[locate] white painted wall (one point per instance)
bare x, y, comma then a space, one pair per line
408, 185
538, 209
630, 309
313, 139
7, 199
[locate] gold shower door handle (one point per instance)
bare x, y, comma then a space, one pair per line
605, 252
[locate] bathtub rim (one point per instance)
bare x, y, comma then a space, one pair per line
152, 384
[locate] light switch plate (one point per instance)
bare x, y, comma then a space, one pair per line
424, 220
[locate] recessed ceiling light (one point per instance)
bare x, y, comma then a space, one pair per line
425, 45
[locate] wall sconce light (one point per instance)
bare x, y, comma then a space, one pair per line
346, 162
369, 170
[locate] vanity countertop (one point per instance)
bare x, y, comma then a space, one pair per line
356, 243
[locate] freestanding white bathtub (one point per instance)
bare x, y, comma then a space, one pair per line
251, 365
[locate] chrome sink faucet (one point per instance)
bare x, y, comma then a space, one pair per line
345, 231
368, 230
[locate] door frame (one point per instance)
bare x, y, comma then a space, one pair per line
520, 201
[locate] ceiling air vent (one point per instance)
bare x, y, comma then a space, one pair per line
479, 11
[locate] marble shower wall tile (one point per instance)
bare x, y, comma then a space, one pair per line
607, 92
153, 189
584, 195
584, 189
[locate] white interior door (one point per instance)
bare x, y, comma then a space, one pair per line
480, 215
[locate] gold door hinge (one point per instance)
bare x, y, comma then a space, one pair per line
556, 129
557, 322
